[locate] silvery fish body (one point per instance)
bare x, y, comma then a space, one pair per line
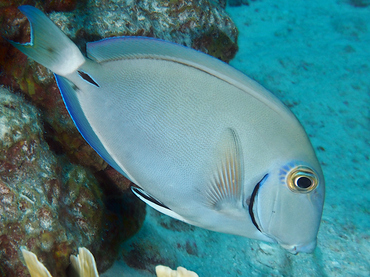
202, 142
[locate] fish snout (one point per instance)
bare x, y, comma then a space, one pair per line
303, 248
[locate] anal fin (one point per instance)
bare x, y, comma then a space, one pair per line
225, 186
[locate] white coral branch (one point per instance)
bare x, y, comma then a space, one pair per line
165, 271
85, 266
36, 268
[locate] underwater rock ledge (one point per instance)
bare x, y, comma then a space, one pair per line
50, 205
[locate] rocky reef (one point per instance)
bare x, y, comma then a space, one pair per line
50, 205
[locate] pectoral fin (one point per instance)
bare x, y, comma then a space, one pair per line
225, 186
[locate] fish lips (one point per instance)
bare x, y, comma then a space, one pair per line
305, 248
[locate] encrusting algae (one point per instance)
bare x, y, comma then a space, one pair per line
84, 265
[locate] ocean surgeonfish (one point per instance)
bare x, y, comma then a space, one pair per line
201, 141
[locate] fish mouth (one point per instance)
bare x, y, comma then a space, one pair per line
304, 248
252, 200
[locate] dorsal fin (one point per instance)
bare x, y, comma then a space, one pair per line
150, 48
225, 186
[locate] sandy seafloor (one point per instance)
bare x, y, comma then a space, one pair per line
315, 56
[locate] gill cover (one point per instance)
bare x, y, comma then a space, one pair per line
288, 206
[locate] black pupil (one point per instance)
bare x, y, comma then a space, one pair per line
304, 182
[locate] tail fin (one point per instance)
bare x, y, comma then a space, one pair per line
49, 46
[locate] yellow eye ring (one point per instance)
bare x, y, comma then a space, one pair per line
302, 179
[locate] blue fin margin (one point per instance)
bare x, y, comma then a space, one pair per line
82, 124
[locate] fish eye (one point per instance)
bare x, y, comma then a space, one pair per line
302, 179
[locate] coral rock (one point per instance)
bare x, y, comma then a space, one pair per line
48, 204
